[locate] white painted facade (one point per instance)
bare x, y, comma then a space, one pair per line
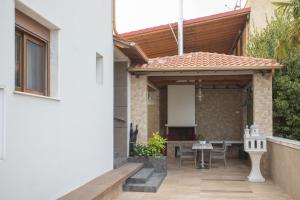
54, 145
262, 11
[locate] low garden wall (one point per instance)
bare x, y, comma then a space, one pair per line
284, 163
158, 163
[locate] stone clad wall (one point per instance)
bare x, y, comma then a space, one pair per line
153, 112
163, 115
139, 107
262, 103
262, 111
219, 114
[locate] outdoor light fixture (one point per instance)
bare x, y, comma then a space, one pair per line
151, 98
199, 95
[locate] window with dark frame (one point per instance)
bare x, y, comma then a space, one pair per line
31, 56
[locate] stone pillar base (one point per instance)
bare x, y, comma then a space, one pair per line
255, 174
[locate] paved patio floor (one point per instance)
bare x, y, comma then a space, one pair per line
218, 183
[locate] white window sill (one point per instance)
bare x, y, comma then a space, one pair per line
285, 142
36, 95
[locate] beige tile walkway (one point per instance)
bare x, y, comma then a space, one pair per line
218, 183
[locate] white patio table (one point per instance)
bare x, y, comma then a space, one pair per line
197, 146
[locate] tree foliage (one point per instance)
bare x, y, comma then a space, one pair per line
286, 82
290, 11
286, 97
265, 43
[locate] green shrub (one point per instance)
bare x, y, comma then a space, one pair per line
286, 97
141, 150
286, 82
154, 146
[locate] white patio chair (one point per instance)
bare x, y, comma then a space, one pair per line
219, 153
185, 152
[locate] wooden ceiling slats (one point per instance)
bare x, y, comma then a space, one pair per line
214, 80
218, 24
168, 50
201, 32
189, 43
221, 22
197, 46
211, 77
240, 84
191, 37
211, 35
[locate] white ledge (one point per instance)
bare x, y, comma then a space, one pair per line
285, 142
36, 95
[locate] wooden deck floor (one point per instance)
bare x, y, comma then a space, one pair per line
218, 183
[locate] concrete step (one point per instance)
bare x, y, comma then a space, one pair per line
141, 176
151, 185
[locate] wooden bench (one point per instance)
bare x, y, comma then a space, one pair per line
106, 186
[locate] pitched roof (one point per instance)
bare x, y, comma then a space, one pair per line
205, 61
131, 49
215, 33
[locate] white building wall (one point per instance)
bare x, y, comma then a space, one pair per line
261, 12
54, 146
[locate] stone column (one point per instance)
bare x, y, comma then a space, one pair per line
262, 103
262, 110
139, 106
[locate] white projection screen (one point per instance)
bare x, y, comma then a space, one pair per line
2, 121
181, 105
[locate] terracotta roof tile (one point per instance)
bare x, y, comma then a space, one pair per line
205, 61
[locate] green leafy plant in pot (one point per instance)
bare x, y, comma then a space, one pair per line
201, 139
151, 153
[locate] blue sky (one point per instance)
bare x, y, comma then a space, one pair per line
138, 14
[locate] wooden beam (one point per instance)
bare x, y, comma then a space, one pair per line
151, 85
212, 36
156, 79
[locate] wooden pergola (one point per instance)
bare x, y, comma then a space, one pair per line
218, 33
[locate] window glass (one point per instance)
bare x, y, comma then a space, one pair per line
34, 66
18, 58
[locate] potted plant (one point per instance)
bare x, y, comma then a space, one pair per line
151, 153
201, 139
